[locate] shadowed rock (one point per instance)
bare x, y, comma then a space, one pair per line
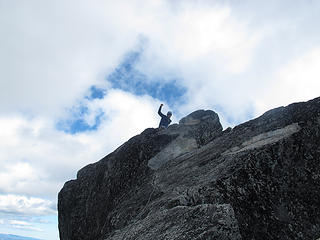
193, 131
259, 180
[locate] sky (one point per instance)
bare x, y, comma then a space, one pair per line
79, 78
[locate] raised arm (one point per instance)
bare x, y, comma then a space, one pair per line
159, 111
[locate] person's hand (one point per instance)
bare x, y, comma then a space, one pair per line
161, 104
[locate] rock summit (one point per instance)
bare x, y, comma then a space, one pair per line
259, 180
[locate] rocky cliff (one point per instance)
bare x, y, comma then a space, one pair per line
259, 180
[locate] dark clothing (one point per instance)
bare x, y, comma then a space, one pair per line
165, 121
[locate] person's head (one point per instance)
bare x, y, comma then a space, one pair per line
169, 114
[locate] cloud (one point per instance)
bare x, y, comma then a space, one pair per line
21, 205
195, 33
59, 59
21, 223
53, 51
24, 225
226, 54
28, 228
1, 221
298, 80
19, 172
223, 53
39, 220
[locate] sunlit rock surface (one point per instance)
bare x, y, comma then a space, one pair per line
259, 180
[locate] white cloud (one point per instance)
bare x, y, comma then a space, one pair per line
298, 80
20, 223
196, 33
42, 221
18, 173
24, 225
14, 204
59, 59
1, 221
226, 55
221, 51
28, 228
51, 52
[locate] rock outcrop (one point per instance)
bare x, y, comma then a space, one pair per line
259, 180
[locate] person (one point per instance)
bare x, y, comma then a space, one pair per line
165, 120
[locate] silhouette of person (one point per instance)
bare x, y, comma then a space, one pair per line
165, 119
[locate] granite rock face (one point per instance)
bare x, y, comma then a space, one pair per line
259, 180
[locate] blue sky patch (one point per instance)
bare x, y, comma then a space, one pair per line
77, 123
127, 78
96, 93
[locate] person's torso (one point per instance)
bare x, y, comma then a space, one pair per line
165, 121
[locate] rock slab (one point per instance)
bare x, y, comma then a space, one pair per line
259, 180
